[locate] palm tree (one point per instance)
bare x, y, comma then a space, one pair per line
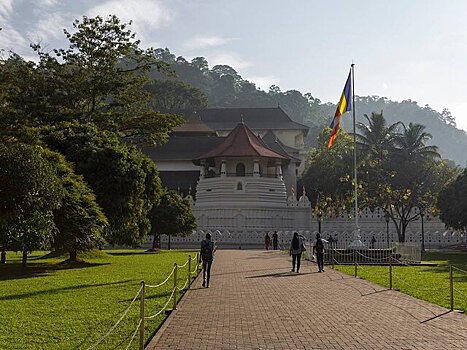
376, 138
410, 144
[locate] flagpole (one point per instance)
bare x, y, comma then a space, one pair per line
354, 148
357, 243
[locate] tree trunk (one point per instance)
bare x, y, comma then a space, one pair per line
3, 257
24, 260
169, 244
156, 242
73, 255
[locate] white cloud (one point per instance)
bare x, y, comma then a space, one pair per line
228, 58
6, 7
145, 14
202, 42
385, 86
10, 39
48, 3
50, 26
264, 82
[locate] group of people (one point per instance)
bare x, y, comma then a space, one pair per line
297, 247
267, 241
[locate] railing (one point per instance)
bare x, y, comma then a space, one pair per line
210, 176
191, 274
342, 253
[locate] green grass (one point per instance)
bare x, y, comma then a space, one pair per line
59, 306
423, 282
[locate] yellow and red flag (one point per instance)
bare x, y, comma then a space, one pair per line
343, 106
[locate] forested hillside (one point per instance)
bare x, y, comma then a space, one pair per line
224, 87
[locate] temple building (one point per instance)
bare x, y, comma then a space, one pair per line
239, 168
206, 128
241, 188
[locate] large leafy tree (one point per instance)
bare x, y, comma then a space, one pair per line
401, 173
328, 173
125, 182
452, 203
172, 216
99, 78
79, 221
30, 191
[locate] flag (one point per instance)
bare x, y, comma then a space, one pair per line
343, 106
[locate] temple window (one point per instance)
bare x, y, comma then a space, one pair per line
240, 169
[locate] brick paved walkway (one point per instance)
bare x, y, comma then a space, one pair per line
255, 302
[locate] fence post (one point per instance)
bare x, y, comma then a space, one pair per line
332, 258
141, 329
189, 272
390, 273
175, 287
451, 287
355, 261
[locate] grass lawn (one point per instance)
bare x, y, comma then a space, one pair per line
423, 282
55, 306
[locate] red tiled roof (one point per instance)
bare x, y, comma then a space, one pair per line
242, 142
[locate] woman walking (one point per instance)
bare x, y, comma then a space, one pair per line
296, 247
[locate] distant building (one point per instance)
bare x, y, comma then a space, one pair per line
206, 128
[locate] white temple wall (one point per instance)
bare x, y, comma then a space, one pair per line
247, 227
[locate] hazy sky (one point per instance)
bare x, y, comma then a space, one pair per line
402, 49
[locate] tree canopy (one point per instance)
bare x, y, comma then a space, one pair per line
452, 203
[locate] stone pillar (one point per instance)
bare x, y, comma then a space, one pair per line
256, 168
223, 168
278, 169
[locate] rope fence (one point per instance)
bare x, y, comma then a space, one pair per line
190, 274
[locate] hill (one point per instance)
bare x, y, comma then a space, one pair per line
224, 87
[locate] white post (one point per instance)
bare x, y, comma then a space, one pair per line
223, 168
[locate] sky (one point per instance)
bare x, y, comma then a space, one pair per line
402, 49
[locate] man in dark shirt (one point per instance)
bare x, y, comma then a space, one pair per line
207, 255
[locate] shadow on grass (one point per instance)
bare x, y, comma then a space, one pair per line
59, 290
13, 271
129, 253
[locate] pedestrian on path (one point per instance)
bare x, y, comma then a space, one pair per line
274, 240
207, 255
296, 248
318, 250
267, 241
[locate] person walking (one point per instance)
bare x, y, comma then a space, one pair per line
296, 248
267, 241
274, 240
318, 250
207, 255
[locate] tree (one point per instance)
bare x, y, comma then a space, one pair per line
411, 143
125, 182
376, 139
173, 94
99, 78
401, 172
172, 216
29, 193
328, 173
79, 220
452, 203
